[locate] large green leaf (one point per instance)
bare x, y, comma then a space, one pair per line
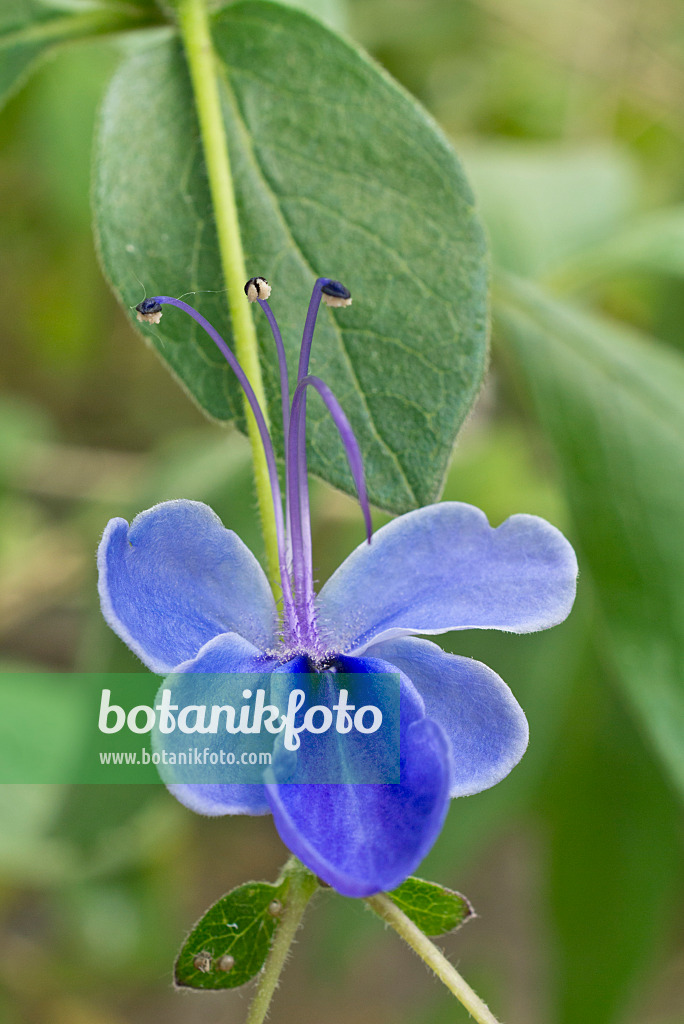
544, 203
332, 12
653, 243
337, 172
613, 828
30, 28
613, 403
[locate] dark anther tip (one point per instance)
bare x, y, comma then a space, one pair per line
337, 290
148, 306
257, 288
148, 311
335, 294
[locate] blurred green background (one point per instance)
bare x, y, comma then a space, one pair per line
569, 119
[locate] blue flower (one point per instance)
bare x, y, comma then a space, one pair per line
187, 595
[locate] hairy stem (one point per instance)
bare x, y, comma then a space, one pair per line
302, 886
432, 956
193, 21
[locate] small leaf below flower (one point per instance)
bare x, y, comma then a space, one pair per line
230, 943
434, 908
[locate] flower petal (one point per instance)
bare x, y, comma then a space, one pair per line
444, 567
225, 653
363, 839
176, 578
483, 721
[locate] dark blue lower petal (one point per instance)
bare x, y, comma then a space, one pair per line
363, 839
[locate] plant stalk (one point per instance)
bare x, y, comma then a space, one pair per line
432, 956
302, 886
193, 20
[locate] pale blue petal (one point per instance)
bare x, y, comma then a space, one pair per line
176, 578
444, 567
363, 839
225, 653
484, 723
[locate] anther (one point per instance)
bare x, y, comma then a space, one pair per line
257, 288
335, 294
148, 311
202, 962
226, 963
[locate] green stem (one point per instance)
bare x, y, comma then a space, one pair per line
433, 957
193, 21
302, 886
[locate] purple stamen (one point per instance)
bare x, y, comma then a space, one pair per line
298, 490
347, 435
299, 522
309, 324
304, 528
151, 306
282, 366
294, 537
285, 403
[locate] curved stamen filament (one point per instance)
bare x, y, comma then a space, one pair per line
265, 440
297, 482
285, 403
309, 324
299, 553
298, 510
298, 504
282, 366
304, 516
349, 441
298, 518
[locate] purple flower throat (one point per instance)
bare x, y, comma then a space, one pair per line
300, 633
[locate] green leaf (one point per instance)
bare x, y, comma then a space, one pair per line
240, 926
332, 12
653, 243
544, 203
612, 402
337, 172
613, 839
30, 28
26, 29
434, 908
